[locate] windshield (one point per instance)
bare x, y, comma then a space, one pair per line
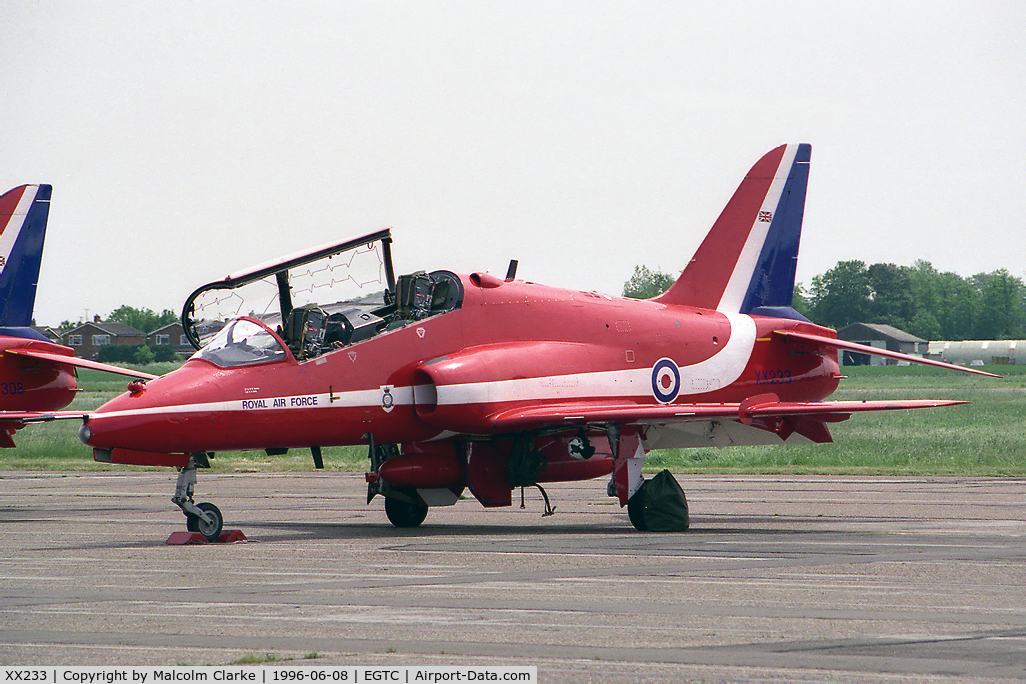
242, 342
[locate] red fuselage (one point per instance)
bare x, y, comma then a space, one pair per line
510, 344
29, 384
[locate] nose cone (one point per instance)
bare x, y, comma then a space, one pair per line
171, 414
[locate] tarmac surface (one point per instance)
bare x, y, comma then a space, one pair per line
780, 578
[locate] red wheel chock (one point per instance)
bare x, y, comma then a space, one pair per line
183, 537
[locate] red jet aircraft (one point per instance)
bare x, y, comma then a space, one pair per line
489, 384
36, 375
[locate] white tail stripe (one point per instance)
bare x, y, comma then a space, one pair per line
737, 287
17, 222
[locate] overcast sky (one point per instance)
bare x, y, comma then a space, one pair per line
188, 140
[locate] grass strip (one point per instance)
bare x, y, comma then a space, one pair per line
986, 438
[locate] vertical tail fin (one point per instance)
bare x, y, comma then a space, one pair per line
23, 214
749, 257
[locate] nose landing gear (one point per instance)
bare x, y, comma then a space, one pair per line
209, 524
204, 518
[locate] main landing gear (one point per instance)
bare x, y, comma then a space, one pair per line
655, 505
404, 513
403, 507
204, 518
636, 509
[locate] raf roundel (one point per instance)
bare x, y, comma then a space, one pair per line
665, 380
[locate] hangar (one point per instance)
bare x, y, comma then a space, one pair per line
880, 336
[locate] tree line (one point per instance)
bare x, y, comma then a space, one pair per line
146, 320
917, 299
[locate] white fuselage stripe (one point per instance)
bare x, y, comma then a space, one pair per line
714, 373
352, 399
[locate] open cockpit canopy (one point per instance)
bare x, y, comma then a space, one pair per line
324, 298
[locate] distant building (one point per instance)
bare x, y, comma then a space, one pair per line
882, 337
980, 352
88, 338
171, 335
52, 334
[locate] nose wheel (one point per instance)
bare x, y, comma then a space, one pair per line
204, 518
209, 524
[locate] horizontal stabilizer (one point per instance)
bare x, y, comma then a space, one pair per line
80, 363
822, 341
835, 411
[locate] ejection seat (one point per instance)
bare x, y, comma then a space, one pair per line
305, 331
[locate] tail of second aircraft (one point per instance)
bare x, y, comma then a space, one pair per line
23, 214
749, 257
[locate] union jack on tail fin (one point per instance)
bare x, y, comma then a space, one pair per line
748, 259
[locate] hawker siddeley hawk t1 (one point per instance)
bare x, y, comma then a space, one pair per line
476, 382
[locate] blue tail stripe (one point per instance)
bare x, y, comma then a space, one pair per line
772, 282
21, 272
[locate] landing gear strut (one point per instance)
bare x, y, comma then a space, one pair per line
204, 518
627, 482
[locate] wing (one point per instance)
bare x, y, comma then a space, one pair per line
80, 363
765, 411
539, 416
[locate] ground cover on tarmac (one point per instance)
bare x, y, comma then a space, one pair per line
780, 578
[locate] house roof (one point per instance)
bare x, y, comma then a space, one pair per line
112, 328
888, 331
176, 324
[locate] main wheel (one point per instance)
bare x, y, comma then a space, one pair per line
211, 530
403, 514
636, 509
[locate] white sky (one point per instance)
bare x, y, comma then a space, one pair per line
186, 140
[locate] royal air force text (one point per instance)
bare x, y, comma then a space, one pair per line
281, 403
